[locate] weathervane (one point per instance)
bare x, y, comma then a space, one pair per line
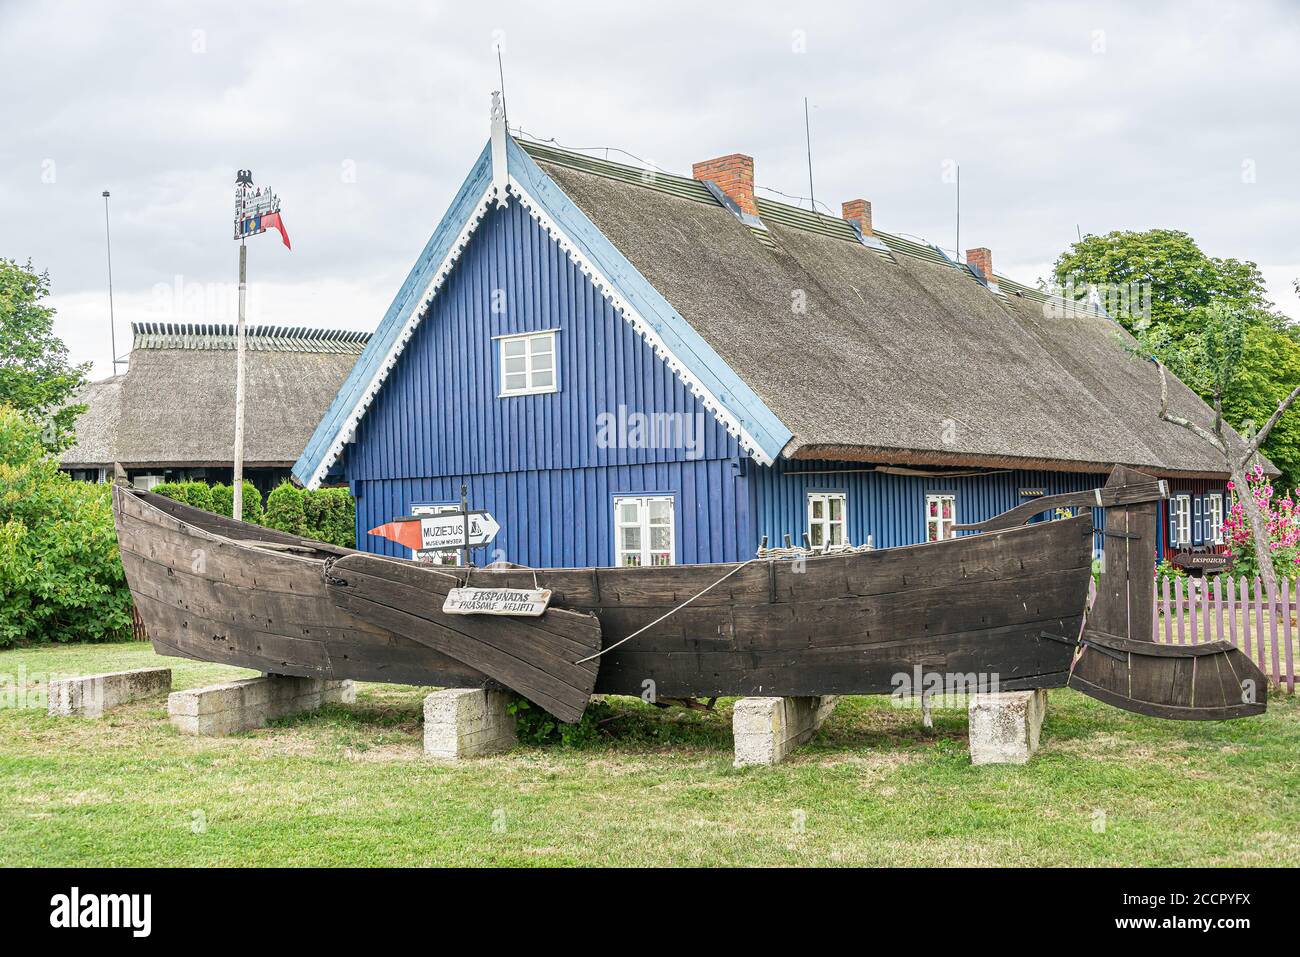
256, 211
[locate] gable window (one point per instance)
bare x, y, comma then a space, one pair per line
1180, 520
940, 516
826, 520
643, 530
528, 363
1214, 518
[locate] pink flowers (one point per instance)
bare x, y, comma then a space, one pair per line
1281, 519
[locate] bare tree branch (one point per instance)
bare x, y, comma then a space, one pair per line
1191, 426
1259, 437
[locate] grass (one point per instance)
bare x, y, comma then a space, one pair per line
348, 786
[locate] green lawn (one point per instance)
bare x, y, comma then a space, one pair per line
349, 786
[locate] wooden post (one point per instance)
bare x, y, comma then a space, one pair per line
237, 484
464, 517
1126, 601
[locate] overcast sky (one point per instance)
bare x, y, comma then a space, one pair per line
365, 117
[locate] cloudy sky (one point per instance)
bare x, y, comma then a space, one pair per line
364, 117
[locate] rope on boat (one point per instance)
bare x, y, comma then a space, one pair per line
671, 611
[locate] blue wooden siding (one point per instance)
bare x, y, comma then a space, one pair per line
891, 508
565, 517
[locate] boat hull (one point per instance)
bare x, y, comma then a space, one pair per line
863, 623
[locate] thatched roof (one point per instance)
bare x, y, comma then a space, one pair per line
900, 354
174, 405
96, 428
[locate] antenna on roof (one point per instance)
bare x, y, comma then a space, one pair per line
501, 76
957, 251
807, 135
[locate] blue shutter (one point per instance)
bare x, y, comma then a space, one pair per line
1172, 506
1197, 503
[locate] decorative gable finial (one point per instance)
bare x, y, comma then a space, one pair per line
500, 173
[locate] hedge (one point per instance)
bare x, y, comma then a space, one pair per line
325, 515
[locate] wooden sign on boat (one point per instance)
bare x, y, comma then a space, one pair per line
518, 602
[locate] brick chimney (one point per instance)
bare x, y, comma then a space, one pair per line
858, 211
734, 175
981, 260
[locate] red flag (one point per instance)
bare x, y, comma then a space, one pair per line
404, 533
273, 220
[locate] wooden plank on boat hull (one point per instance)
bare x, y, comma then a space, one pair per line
1205, 682
1017, 657
537, 657
970, 559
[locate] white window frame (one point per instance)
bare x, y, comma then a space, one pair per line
645, 553
1181, 508
828, 525
1214, 518
530, 355
942, 524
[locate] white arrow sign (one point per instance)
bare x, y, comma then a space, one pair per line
439, 532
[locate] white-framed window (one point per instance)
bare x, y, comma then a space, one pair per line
449, 556
1180, 520
1214, 518
826, 519
528, 363
643, 530
940, 516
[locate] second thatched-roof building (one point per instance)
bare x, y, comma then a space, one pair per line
169, 417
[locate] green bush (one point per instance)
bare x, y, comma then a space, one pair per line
223, 499
285, 510
331, 516
198, 494
325, 515
223, 502
61, 576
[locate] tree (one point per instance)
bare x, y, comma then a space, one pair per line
1212, 358
35, 377
61, 576
1159, 283
1162, 276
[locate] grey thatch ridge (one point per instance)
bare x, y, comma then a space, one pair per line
173, 407
900, 356
176, 335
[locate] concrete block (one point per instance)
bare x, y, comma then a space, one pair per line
766, 730
89, 695
251, 702
467, 722
1004, 727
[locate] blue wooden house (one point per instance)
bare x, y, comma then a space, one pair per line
631, 367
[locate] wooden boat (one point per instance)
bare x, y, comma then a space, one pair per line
1006, 606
